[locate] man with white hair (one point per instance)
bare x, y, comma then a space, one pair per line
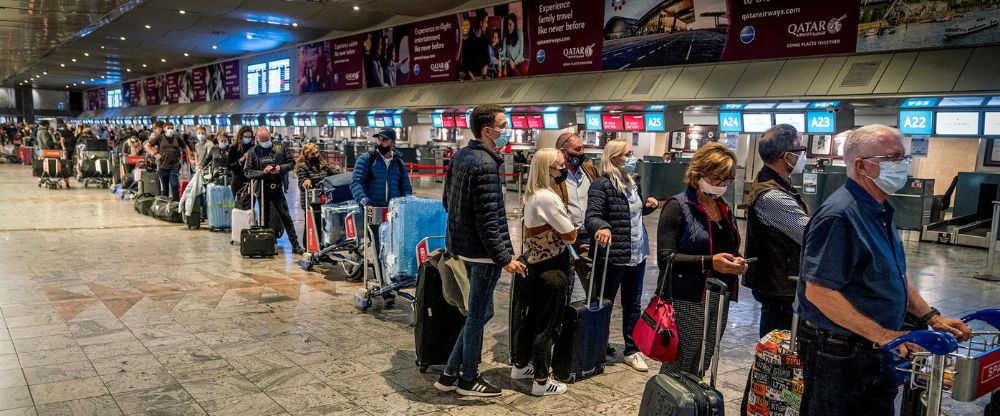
854, 290
268, 164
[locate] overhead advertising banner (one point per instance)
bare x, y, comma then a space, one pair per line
347, 63
886, 26
185, 87
644, 33
132, 94
315, 71
386, 57
433, 52
493, 43
152, 88
224, 77
173, 92
562, 38
783, 28
199, 84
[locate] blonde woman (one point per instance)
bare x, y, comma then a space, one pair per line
697, 228
548, 229
615, 208
311, 169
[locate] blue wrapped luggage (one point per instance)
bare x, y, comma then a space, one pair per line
411, 219
220, 206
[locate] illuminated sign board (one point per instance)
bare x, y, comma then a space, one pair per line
756, 122
655, 122
730, 122
820, 123
916, 122
593, 121
956, 124
797, 120
611, 122
634, 122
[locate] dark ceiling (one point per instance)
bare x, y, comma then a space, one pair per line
58, 43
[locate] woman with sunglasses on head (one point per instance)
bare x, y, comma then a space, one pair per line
548, 230
697, 228
615, 208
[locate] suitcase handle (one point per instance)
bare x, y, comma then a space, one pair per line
723, 299
604, 278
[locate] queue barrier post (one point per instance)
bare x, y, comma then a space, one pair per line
991, 256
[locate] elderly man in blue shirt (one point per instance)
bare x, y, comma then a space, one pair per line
854, 291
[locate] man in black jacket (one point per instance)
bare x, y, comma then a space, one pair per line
267, 164
477, 234
776, 220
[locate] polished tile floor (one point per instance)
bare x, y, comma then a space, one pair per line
107, 312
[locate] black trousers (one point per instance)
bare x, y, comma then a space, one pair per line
548, 292
844, 378
775, 312
274, 198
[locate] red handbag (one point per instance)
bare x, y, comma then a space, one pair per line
656, 332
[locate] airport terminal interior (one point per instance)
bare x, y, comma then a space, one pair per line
115, 300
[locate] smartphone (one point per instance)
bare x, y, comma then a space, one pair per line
750, 260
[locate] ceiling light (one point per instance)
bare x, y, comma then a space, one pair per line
74, 84
295, 25
249, 35
102, 46
83, 82
356, 8
143, 65
74, 59
128, 69
91, 79
163, 59
186, 54
67, 86
62, 65
121, 37
86, 54
102, 76
215, 47
44, 73
182, 12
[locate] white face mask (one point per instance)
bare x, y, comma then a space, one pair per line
710, 190
201, 136
800, 163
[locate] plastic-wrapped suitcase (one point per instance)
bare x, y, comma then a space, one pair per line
686, 394
335, 220
436, 324
580, 348
219, 199
411, 220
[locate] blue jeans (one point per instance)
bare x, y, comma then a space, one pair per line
629, 278
468, 348
170, 177
835, 373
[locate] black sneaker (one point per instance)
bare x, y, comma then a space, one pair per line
478, 388
298, 250
446, 382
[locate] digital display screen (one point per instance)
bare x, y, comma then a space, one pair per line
730, 122
611, 122
535, 122
593, 121
919, 103
436, 120
279, 76
820, 123
957, 124
448, 122
397, 121
991, 124
379, 122
387, 120
550, 121
756, 123
519, 122
256, 79
916, 122
634, 122
250, 120
961, 101
656, 122
795, 120
462, 121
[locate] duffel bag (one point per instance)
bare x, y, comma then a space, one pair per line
144, 203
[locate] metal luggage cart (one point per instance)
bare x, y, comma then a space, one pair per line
347, 254
967, 370
50, 181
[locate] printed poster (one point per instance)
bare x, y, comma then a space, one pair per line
785, 28
885, 26
563, 38
385, 58
199, 84
152, 88
348, 63
314, 67
645, 33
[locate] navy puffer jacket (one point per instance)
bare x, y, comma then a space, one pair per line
474, 200
385, 181
608, 208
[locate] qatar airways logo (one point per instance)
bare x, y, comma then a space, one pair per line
579, 52
817, 27
441, 66
353, 76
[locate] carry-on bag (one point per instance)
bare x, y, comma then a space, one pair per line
580, 348
656, 332
174, 212
683, 394
436, 323
27, 155
52, 168
219, 199
519, 295
149, 183
259, 240
36, 168
193, 220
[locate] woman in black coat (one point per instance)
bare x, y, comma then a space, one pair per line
237, 157
615, 208
310, 170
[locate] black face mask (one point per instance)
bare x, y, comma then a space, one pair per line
384, 150
563, 173
577, 160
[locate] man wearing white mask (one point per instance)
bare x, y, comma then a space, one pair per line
166, 149
776, 219
853, 287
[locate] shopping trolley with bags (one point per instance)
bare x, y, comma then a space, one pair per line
335, 236
967, 370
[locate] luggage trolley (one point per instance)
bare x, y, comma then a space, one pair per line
346, 253
52, 169
967, 370
372, 265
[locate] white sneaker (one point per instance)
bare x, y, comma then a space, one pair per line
550, 388
527, 371
636, 362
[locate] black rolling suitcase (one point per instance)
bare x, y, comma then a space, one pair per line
259, 240
519, 292
580, 348
686, 394
149, 183
436, 323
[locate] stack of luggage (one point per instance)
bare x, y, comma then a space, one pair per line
51, 169
95, 168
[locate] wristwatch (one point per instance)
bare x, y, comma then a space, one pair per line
926, 319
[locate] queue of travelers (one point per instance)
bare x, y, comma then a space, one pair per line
853, 290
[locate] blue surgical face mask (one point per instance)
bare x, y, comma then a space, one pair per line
503, 139
266, 145
892, 175
629, 166
246, 140
223, 145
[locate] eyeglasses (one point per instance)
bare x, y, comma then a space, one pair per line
891, 158
796, 150
720, 181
